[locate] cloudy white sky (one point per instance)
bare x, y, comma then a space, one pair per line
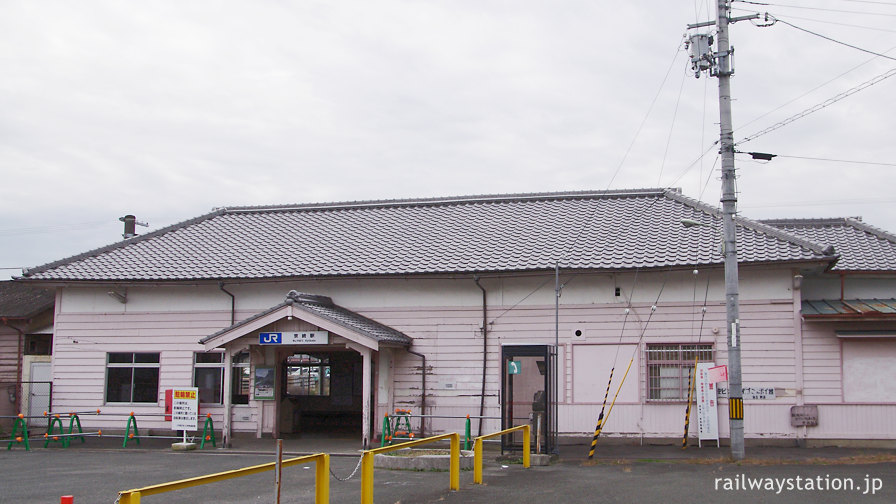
166, 109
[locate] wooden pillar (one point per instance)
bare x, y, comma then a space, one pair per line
228, 398
365, 398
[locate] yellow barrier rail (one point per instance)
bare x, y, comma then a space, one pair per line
477, 449
321, 479
367, 463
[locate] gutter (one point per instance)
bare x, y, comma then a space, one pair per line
423, 391
484, 350
232, 303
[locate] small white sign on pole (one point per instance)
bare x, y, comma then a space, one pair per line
707, 405
185, 409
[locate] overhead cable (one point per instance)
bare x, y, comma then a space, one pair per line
816, 108
778, 20
790, 6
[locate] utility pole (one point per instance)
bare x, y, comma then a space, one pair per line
720, 65
729, 210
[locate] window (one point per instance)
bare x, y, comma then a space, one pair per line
132, 377
669, 369
208, 376
38, 344
241, 377
307, 375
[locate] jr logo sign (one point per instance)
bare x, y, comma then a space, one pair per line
270, 338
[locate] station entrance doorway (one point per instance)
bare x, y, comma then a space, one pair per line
321, 393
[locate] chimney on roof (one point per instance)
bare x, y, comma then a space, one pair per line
130, 226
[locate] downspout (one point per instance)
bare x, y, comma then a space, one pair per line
20, 343
422, 393
228, 373
484, 350
232, 302
842, 286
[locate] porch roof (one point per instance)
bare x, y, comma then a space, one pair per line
320, 311
839, 309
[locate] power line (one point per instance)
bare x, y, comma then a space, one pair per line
51, 228
836, 160
827, 202
751, 121
647, 115
816, 108
672, 126
776, 20
891, 4
840, 11
849, 25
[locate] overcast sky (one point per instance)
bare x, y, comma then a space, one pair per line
167, 109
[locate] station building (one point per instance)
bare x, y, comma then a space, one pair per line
322, 318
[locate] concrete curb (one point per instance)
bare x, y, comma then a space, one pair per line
422, 462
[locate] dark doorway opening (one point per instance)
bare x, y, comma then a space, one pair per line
321, 393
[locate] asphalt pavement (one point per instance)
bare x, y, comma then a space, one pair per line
96, 470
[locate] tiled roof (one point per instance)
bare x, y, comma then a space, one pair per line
604, 230
21, 301
861, 247
323, 306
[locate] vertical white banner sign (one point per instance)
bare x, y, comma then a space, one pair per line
707, 405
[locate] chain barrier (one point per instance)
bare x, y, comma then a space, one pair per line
350, 476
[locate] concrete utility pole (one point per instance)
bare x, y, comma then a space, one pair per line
719, 64
729, 210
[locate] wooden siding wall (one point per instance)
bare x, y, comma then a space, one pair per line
9, 354
171, 320
79, 359
454, 359
822, 371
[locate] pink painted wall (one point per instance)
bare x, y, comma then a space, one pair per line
450, 337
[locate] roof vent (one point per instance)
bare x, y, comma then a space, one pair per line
130, 226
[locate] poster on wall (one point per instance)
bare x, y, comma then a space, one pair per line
707, 405
264, 383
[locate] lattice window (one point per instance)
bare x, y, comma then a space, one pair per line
669, 368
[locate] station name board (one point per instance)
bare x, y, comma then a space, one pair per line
294, 338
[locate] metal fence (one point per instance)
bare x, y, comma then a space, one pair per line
33, 399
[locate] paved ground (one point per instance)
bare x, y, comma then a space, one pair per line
95, 471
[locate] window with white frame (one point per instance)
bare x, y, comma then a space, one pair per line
132, 377
669, 369
208, 376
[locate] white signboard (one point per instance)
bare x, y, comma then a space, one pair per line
185, 409
707, 405
294, 338
752, 393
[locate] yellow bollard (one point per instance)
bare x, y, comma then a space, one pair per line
367, 463
527, 445
367, 478
477, 461
322, 481
454, 464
